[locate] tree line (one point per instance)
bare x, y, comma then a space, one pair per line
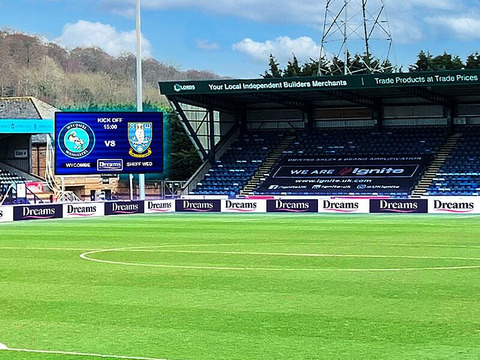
363, 64
30, 66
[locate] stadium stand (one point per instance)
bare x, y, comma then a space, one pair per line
7, 178
399, 142
367, 142
239, 163
460, 174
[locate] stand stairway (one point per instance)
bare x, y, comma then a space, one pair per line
264, 170
432, 171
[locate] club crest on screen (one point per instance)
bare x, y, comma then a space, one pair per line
76, 140
140, 138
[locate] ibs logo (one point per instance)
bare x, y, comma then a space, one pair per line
178, 87
76, 140
140, 138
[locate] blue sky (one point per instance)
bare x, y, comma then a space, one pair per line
234, 37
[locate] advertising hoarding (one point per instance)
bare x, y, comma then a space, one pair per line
399, 206
159, 206
454, 205
38, 212
6, 213
83, 210
124, 207
193, 205
292, 206
336, 205
244, 206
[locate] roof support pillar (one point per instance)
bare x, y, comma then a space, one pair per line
211, 137
377, 111
450, 112
190, 131
310, 112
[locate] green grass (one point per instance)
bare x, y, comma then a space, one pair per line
200, 287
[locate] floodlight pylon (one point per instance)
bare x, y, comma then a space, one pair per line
356, 38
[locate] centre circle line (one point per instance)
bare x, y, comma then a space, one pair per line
88, 256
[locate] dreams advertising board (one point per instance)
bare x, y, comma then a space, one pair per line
108, 143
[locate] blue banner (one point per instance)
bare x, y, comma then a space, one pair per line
38, 212
192, 205
124, 207
26, 126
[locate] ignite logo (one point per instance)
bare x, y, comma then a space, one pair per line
346, 171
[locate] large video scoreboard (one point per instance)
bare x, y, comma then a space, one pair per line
108, 143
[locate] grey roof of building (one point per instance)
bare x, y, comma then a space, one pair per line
18, 108
25, 108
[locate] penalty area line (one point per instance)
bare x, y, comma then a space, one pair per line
4, 347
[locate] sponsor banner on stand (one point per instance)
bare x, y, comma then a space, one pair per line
344, 205
124, 207
454, 205
399, 206
6, 213
317, 175
83, 210
291, 205
159, 206
244, 206
38, 212
192, 205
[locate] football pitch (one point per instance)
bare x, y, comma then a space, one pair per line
241, 287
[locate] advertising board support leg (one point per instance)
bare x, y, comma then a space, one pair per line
131, 186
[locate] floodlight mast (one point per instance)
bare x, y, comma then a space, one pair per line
354, 26
141, 177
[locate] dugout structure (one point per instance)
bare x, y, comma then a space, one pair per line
214, 112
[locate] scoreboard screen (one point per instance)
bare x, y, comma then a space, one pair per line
108, 143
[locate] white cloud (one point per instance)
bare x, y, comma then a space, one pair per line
284, 11
88, 34
206, 45
462, 27
282, 48
435, 4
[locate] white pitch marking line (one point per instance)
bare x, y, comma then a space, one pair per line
4, 347
298, 255
45, 249
85, 256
